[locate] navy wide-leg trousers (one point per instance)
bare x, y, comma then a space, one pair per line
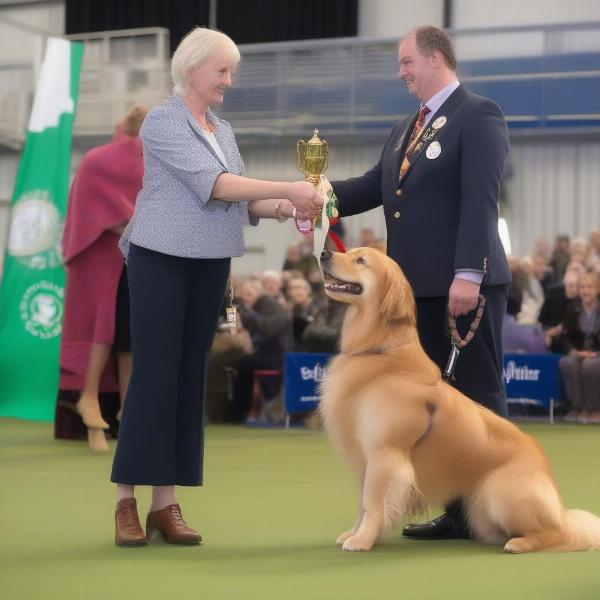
175, 305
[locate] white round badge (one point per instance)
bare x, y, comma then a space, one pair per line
433, 150
439, 122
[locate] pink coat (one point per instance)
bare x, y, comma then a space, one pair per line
102, 197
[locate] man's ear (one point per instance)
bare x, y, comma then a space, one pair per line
436, 59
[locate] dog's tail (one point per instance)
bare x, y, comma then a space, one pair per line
583, 531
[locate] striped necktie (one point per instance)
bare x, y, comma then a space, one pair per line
414, 138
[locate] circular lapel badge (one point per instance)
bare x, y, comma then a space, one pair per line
433, 150
439, 122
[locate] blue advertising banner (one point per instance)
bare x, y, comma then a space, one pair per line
529, 378
303, 371
532, 377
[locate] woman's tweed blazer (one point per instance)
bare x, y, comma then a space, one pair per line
174, 212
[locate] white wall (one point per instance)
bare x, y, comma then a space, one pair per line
491, 13
391, 18
19, 44
555, 188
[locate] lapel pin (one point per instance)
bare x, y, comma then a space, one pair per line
433, 150
439, 122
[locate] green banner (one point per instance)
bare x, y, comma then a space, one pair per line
32, 292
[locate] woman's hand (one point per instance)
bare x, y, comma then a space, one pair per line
305, 198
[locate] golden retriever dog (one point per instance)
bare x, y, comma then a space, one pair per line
414, 441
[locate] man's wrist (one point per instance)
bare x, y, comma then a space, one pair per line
473, 276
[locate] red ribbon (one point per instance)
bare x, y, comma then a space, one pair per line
336, 240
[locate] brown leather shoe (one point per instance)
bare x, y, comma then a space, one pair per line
168, 524
128, 531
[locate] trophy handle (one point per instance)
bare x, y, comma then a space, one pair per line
326, 156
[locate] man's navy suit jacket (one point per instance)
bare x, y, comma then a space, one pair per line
445, 217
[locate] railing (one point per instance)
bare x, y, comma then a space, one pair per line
120, 68
543, 77
546, 79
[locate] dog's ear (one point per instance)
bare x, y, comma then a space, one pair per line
398, 299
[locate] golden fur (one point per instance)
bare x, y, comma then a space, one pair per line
414, 441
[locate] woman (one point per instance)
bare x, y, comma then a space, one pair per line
95, 353
580, 368
187, 225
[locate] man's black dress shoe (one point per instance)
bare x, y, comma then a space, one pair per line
443, 527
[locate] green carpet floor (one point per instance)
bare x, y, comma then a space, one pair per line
273, 503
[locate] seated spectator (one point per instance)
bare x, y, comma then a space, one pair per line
303, 307
519, 278
543, 272
594, 239
268, 326
580, 368
560, 257
292, 257
272, 282
517, 337
323, 333
579, 251
299, 256
230, 343
554, 309
533, 293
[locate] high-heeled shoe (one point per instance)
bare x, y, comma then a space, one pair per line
168, 525
97, 440
89, 411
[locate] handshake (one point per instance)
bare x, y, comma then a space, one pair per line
305, 200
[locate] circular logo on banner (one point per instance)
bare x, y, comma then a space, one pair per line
42, 308
35, 231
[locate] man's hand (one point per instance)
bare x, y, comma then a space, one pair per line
463, 297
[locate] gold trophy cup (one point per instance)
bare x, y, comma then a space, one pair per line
313, 158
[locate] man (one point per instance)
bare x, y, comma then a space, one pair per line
438, 179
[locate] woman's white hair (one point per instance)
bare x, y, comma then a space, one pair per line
198, 46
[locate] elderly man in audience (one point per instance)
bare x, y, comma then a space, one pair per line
533, 292
268, 325
302, 306
272, 282
580, 368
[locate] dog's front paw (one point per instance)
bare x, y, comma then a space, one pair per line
344, 536
356, 543
516, 546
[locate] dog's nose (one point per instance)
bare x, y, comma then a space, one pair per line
326, 255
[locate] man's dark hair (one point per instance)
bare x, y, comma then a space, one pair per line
429, 39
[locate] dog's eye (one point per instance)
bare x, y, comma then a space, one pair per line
361, 261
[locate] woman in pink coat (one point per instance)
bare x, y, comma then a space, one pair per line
95, 354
